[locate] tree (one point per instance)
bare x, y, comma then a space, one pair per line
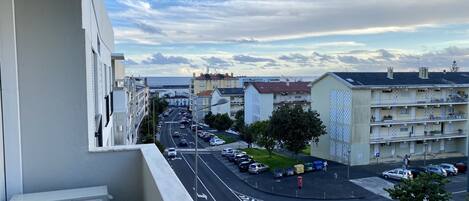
261, 135
160, 146
222, 122
239, 121
209, 118
247, 134
424, 187
295, 127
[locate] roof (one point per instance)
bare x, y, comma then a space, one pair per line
231, 91
281, 87
118, 56
216, 77
205, 93
369, 79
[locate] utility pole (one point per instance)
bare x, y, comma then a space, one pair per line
348, 167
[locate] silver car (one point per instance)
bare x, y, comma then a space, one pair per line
257, 168
449, 168
172, 152
435, 169
398, 174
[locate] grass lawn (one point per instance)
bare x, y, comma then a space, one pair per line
307, 151
276, 161
227, 139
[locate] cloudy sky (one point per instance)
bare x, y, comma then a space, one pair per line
289, 37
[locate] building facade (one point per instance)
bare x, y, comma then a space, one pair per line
57, 128
262, 98
385, 116
235, 97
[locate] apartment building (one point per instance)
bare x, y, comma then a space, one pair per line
262, 98
383, 116
245, 80
178, 100
235, 97
57, 116
202, 102
204, 84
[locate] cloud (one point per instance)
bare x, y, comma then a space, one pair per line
130, 62
217, 62
296, 58
252, 21
251, 59
161, 59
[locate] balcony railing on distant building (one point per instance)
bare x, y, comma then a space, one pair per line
430, 135
388, 119
451, 99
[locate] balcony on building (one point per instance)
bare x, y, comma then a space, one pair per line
389, 120
427, 135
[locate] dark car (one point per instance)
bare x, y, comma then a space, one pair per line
308, 167
183, 143
279, 172
240, 158
461, 166
244, 166
416, 171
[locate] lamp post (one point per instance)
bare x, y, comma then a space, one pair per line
425, 144
220, 102
348, 167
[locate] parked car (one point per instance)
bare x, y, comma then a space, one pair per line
244, 166
176, 134
434, 169
232, 156
398, 174
416, 171
182, 126
172, 152
449, 168
257, 168
462, 167
279, 172
183, 142
226, 151
195, 126
217, 142
289, 171
241, 159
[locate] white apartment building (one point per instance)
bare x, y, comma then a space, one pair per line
235, 97
379, 116
262, 98
56, 107
178, 100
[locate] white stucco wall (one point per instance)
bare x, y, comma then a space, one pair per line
220, 109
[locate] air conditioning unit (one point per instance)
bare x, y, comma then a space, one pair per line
98, 193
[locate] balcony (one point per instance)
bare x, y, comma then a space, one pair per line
134, 172
432, 135
451, 100
388, 120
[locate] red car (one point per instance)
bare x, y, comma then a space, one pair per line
461, 166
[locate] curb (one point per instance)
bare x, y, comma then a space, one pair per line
292, 196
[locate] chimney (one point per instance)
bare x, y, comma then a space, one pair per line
423, 73
390, 73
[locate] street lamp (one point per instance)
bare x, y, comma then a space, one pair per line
348, 167
220, 102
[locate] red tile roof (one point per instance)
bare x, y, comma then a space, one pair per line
205, 93
281, 87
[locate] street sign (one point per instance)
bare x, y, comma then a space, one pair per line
377, 154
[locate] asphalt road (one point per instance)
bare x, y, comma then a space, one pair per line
217, 182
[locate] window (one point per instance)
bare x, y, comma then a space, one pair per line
387, 91
404, 129
96, 82
112, 102
107, 110
404, 111
99, 44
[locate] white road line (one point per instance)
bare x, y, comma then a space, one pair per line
184, 158
231, 190
458, 192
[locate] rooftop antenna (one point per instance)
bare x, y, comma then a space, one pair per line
454, 67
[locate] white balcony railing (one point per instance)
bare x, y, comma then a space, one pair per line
451, 100
374, 138
388, 120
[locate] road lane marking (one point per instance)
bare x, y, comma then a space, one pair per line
231, 190
184, 158
458, 192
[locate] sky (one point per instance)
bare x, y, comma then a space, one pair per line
289, 37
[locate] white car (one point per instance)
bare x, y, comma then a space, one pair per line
226, 151
172, 152
398, 174
449, 168
217, 142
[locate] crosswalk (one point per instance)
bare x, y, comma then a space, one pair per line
375, 185
245, 197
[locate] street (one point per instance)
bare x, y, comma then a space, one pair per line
217, 182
